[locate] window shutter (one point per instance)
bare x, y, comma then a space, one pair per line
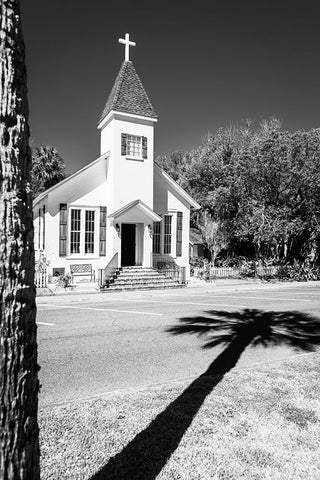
63, 230
144, 147
44, 228
39, 229
103, 231
123, 144
179, 234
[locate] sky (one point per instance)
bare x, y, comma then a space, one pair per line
205, 64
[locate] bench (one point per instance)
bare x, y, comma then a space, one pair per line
80, 270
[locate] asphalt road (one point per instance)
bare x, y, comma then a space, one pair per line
94, 344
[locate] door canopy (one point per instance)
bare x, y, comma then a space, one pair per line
135, 212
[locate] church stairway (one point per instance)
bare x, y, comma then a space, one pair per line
140, 278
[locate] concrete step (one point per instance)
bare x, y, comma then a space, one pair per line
135, 270
136, 267
143, 282
114, 287
138, 278
124, 276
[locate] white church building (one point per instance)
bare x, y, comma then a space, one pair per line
121, 209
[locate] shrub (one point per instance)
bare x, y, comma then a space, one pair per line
299, 272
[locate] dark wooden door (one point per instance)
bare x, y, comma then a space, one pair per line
128, 244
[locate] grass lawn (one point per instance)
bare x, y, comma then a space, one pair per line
253, 424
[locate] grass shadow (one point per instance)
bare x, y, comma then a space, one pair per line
146, 455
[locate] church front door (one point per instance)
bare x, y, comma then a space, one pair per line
128, 244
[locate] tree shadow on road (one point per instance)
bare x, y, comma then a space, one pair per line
146, 455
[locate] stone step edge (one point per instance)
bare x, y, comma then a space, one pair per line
139, 284
115, 288
140, 277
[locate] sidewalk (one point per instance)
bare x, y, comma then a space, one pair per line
248, 283
78, 289
195, 285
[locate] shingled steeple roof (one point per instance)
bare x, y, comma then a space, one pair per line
128, 94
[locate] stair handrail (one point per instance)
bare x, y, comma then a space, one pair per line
169, 268
106, 274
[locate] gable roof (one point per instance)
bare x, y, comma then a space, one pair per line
128, 95
169, 180
136, 205
41, 195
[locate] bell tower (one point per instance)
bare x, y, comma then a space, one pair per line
127, 133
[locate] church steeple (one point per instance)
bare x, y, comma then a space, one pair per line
128, 95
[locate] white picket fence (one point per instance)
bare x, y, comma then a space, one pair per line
224, 272
232, 272
41, 279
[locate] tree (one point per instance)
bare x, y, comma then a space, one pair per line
280, 208
19, 448
48, 168
212, 233
175, 164
259, 190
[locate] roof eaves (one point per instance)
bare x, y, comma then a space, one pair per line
74, 174
124, 114
177, 187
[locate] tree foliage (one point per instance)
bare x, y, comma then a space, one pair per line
48, 168
174, 164
259, 190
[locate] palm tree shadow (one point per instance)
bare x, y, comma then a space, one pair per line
146, 455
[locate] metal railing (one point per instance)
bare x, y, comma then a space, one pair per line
167, 267
106, 275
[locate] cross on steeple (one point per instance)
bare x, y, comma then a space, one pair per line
128, 44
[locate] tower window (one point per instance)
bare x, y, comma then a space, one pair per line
134, 146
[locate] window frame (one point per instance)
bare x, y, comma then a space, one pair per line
156, 235
82, 245
140, 155
89, 232
132, 155
167, 235
75, 233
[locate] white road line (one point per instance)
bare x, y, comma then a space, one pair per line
44, 323
39, 305
105, 310
189, 303
214, 293
254, 297
307, 293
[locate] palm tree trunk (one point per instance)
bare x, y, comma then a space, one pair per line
19, 448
